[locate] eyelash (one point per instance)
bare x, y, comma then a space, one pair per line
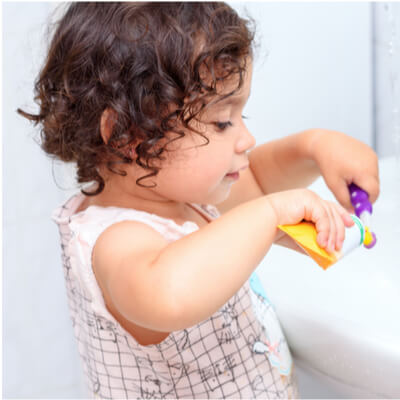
223, 125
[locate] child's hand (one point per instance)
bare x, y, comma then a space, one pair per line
330, 219
342, 160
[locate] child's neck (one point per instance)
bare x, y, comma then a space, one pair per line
144, 201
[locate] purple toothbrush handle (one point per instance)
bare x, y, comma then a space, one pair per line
359, 200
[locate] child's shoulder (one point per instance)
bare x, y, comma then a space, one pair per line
125, 245
119, 246
110, 227
82, 212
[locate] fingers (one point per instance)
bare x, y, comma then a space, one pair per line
332, 227
369, 180
335, 226
322, 224
344, 214
331, 223
340, 189
342, 219
370, 184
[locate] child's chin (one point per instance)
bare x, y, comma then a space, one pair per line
221, 198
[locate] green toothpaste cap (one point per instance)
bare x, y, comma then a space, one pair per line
360, 227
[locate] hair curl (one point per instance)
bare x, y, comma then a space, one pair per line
141, 60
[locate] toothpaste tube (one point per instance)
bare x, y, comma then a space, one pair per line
305, 235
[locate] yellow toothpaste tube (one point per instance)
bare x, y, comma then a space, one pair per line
305, 235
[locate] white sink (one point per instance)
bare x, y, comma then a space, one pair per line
344, 322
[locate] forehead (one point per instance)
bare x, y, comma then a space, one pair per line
225, 88
209, 72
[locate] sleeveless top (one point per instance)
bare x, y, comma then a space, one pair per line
231, 354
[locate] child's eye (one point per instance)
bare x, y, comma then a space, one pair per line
223, 125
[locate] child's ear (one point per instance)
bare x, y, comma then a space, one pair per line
108, 118
107, 122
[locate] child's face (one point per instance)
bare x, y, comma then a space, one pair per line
195, 173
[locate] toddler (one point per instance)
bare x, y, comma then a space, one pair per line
178, 206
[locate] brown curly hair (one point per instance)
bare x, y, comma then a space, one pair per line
142, 61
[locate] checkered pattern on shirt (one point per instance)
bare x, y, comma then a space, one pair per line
213, 359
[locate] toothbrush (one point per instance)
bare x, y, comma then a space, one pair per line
363, 209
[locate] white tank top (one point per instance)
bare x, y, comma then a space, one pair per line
238, 352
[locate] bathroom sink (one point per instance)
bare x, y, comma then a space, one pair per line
344, 322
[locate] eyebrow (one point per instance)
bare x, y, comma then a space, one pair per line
230, 100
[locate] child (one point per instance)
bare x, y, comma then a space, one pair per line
146, 99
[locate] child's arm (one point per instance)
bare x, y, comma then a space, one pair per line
169, 286
285, 163
296, 160
166, 286
274, 166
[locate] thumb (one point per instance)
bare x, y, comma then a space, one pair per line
342, 194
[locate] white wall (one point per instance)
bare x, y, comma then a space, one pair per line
40, 357
387, 77
317, 74
318, 70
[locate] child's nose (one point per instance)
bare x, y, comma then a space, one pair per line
246, 140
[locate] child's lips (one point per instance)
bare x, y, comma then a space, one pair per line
233, 175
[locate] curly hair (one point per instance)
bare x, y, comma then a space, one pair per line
144, 62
